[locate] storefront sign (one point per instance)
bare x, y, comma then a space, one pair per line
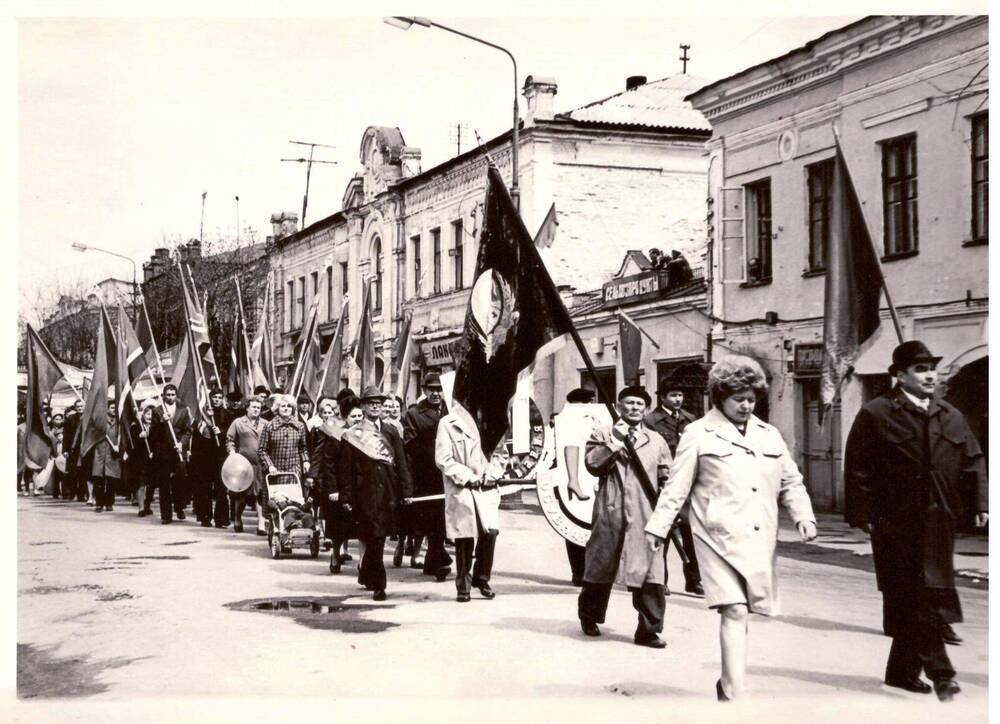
440, 352
808, 359
636, 288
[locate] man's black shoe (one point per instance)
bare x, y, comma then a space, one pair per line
166, 522
590, 628
654, 643
951, 636
463, 597
238, 527
485, 590
442, 575
379, 595
578, 582
915, 685
946, 689
180, 515
695, 588
206, 524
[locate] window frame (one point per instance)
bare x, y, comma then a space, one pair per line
377, 276
417, 265
458, 254
823, 172
759, 227
436, 259
300, 300
909, 205
980, 227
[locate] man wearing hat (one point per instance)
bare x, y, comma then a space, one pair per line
208, 453
621, 511
669, 419
264, 395
378, 479
420, 426
908, 454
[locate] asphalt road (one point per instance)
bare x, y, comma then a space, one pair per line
123, 617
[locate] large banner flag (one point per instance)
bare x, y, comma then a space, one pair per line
329, 381
853, 284
132, 365
402, 357
144, 333
262, 349
241, 374
629, 348
94, 425
364, 345
199, 352
514, 312
308, 364
43, 374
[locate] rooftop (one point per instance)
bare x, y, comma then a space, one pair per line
658, 104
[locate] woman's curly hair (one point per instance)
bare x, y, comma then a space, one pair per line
735, 373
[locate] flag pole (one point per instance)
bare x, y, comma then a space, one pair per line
131, 392
635, 324
885, 285
243, 332
193, 347
337, 333
159, 365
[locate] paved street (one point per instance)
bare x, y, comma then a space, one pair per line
113, 608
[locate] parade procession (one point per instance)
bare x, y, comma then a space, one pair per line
563, 415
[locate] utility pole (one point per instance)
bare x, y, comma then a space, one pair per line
237, 221
308, 162
684, 58
456, 135
201, 229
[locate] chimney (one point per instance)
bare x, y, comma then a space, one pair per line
409, 159
284, 224
634, 81
539, 92
158, 263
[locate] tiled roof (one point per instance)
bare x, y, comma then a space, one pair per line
657, 104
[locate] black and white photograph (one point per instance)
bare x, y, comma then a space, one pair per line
573, 364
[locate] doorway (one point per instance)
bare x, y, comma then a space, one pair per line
821, 449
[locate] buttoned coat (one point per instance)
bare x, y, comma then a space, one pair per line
670, 427
903, 470
373, 488
420, 426
735, 483
106, 456
243, 437
458, 454
622, 508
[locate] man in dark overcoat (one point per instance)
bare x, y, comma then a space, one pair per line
669, 419
378, 479
171, 450
71, 446
419, 435
208, 453
908, 454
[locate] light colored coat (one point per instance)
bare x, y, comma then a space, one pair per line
459, 456
735, 484
621, 508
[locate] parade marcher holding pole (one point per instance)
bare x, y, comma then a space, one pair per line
670, 419
140, 461
621, 510
427, 518
243, 437
71, 448
105, 463
333, 476
171, 440
736, 469
207, 457
908, 454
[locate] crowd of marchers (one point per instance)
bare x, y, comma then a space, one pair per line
373, 472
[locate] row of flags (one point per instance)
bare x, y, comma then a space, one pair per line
514, 316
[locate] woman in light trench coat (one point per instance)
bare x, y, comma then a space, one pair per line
737, 470
471, 499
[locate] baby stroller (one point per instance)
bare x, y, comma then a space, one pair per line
290, 524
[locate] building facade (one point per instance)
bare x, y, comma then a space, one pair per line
624, 171
908, 97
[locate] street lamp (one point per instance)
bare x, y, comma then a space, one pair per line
77, 246
405, 23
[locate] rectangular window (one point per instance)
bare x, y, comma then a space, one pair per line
329, 292
980, 177
301, 302
344, 282
315, 286
417, 271
291, 306
758, 202
400, 273
436, 245
820, 183
458, 252
899, 195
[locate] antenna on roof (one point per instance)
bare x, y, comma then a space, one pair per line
684, 58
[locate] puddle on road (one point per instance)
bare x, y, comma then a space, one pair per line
46, 543
115, 596
43, 674
181, 543
122, 559
328, 613
43, 590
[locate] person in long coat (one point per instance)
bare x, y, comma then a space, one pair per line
471, 502
140, 459
621, 509
907, 455
71, 446
104, 463
243, 437
170, 436
736, 470
283, 446
332, 478
420, 427
377, 480
208, 453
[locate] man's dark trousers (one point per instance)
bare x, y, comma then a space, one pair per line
483, 547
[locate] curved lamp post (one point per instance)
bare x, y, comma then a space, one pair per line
77, 246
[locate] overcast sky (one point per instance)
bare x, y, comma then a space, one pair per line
123, 123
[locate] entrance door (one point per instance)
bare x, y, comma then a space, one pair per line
821, 449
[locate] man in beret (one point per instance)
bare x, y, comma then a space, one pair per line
621, 511
908, 454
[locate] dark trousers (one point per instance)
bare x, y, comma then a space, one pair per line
69, 481
577, 561
171, 484
221, 499
649, 601
483, 547
371, 572
437, 558
147, 503
56, 480
692, 574
104, 491
239, 504
919, 645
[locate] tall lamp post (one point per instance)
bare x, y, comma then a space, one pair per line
135, 286
405, 23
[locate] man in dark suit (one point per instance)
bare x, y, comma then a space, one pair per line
669, 419
71, 446
908, 454
170, 436
208, 452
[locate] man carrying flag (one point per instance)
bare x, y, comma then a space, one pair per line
43, 374
94, 427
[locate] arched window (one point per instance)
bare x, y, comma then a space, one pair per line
377, 282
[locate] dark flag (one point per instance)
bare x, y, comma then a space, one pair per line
241, 375
144, 334
402, 356
262, 349
94, 425
309, 362
364, 345
43, 374
132, 364
853, 284
629, 348
192, 385
514, 310
329, 382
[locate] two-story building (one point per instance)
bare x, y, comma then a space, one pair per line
625, 171
908, 96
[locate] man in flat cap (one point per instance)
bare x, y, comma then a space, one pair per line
621, 512
908, 455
